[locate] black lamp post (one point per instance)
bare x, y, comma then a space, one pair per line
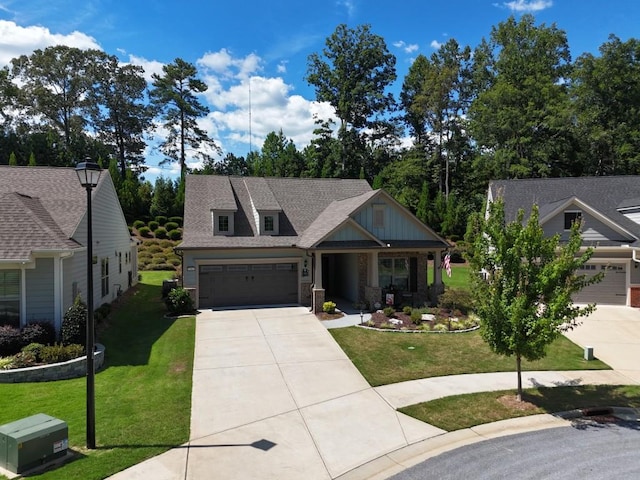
88, 174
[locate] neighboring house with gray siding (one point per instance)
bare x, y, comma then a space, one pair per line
43, 244
266, 241
609, 208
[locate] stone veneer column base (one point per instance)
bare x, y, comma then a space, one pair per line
318, 299
373, 295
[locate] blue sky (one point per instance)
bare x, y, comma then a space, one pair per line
262, 47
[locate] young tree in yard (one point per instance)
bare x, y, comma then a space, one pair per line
525, 301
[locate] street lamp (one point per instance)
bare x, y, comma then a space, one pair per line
88, 174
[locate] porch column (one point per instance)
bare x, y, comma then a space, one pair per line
318, 292
437, 287
373, 269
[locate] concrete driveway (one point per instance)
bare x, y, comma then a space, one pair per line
614, 334
274, 397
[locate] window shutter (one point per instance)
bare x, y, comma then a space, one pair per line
413, 274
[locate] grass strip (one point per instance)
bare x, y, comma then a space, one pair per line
464, 411
143, 394
388, 357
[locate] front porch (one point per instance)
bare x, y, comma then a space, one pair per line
373, 278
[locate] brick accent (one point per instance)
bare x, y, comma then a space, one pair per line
635, 296
373, 295
305, 294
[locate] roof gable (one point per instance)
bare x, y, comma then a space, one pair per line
600, 197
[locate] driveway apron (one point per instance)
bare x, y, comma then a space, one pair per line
614, 334
274, 397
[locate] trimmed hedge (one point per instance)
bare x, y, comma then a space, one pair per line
138, 224
153, 225
10, 340
161, 219
175, 234
160, 232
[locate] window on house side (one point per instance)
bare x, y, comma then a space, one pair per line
268, 223
223, 223
104, 276
570, 218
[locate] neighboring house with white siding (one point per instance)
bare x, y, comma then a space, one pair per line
43, 256
265, 241
609, 208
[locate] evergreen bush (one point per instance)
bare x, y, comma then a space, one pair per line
160, 232
175, 234
171, 226
61, 353
138, 224
329, 307
74, 323
161, 219
153, 225
177, 220
144, 232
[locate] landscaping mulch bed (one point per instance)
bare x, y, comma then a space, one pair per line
402, 321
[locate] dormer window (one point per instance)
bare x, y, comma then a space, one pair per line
570, 217
222, 222
268, 224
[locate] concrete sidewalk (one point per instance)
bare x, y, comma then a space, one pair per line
274, 397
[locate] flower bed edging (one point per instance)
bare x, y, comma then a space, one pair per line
56, 371
417, 331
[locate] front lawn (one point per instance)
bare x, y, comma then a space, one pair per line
464, 411
386, 357
459, 276
143, 395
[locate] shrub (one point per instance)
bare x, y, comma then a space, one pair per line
160, 232
440, 327
171, 225
10, 340
407, 310
61, 353
177, 220
153, 225
35, 349
329, 307
179, 301
165, 244
149, 243
38, 332
23, 359
456, 299
138, 224
389, 311
416, 316
144, 232
174, 234
387, 326
159, 258
175, 262
159, 267
6, 363
161, 219
154, 249
74, 323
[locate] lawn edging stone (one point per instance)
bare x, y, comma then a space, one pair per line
395, 330
74, 368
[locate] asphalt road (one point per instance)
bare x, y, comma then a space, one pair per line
586, 450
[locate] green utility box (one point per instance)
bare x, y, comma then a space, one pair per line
32, 441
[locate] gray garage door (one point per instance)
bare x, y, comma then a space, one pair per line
248, 284
612, 290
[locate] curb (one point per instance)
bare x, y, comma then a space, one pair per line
399, 460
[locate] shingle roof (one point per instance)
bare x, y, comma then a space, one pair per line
301, 200
47, 199
604, 194
32, 228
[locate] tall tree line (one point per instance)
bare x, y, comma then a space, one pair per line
514, 106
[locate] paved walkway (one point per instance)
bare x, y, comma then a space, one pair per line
274, 397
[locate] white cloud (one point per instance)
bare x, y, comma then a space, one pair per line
523, 6
282, 67
223, 64
350, 5
150, 66
16, 40
435, 44
408, 48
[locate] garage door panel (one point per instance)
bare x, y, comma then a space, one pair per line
612, 290
247, 284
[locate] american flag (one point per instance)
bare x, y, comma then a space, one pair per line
446, 263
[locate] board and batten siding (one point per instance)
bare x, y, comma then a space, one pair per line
40, 291
397, 224
347, 233
593, 230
